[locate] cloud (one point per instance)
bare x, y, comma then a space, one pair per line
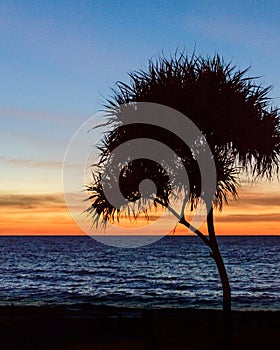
262, 200
263, 38
263, 196
32, 163
43, 202
29, 162
249, 217
24, 201
35, 115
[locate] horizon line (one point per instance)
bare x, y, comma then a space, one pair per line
105, 235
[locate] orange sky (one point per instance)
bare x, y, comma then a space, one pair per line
256, 212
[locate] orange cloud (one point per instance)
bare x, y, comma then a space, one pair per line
32, 201
35, 214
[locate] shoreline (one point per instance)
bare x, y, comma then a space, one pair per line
105, 327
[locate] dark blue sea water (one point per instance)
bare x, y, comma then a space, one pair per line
173, 272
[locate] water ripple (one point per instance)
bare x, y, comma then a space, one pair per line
175, 271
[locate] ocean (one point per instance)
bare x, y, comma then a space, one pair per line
176, 271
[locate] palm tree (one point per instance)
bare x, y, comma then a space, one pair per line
233, 113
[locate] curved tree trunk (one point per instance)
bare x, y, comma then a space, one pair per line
216, 255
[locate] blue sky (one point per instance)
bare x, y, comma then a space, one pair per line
59, 58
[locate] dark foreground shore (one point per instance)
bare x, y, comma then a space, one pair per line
119, 328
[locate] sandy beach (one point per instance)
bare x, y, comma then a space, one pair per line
120, 328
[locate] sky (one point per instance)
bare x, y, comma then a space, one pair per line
58, 63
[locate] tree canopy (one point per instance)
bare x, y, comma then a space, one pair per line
233, 112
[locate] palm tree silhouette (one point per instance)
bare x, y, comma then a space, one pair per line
233, 113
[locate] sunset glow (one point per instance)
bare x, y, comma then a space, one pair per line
56, 69
255, 213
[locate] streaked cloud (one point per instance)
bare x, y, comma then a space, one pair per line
37, 115
29, 162
249, 217
21, 162
261, 199
235, 31
25, 201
